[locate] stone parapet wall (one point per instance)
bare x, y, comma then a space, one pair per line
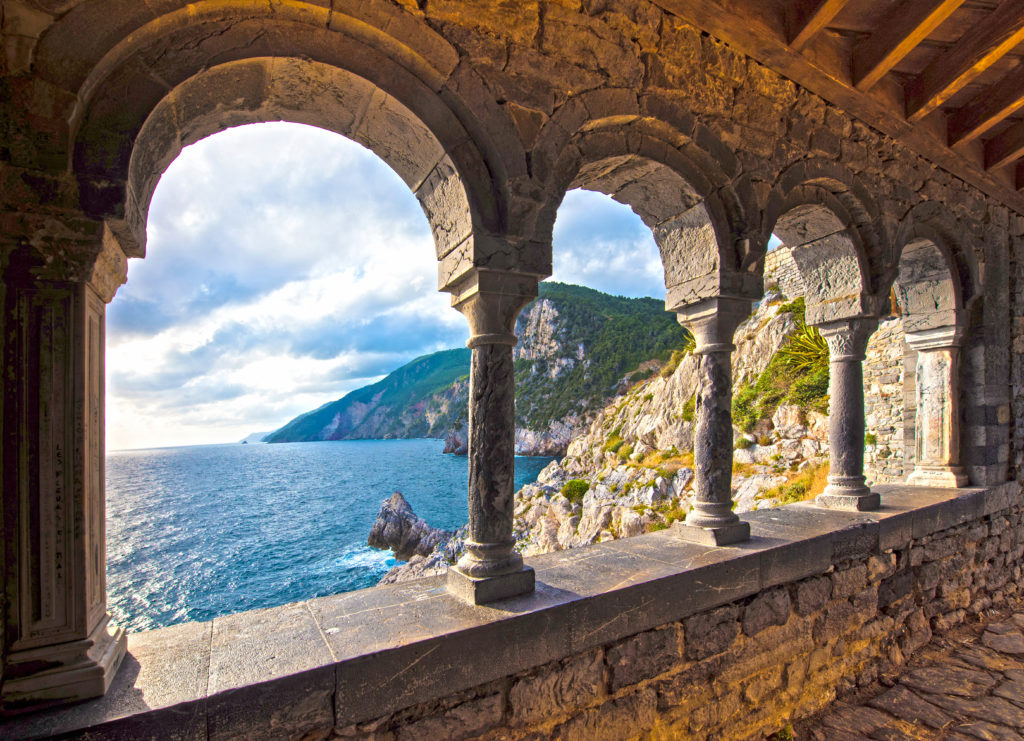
648, 635
747, 668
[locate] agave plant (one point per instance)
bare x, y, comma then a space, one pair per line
806, 350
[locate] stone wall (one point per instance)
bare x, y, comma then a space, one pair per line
750, 666
780, 269
884, 401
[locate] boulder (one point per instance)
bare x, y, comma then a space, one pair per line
399, 529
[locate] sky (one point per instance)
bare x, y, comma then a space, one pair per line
287, 266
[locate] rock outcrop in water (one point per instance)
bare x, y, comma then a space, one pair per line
399, 529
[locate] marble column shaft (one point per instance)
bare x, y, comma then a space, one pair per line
713, 323
60, 644
490, 568
937, 424
847, 340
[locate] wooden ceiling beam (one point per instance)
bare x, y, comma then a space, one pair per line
978, 49
810, 17
988, 108
1005, 148
905, 26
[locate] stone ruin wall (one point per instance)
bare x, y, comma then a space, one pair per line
888, 385
749, 667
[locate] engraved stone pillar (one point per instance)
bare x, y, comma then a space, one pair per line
490, 569
59, 643
937, 429
713, 323
847, 341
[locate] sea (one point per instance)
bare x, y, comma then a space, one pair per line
201, 531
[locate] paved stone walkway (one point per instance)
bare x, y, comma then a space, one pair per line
964, 686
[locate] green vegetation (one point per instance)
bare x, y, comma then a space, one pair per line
575, 489
797, 374
744, 443
870, 438
618, 333
689, 409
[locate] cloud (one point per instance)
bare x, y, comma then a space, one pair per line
287, 266
602, 244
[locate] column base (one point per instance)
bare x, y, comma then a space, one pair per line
849, 502
734, 532
64, 672
481, 590
948, 477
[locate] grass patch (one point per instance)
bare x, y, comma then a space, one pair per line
802, 487
743, 443
689, 409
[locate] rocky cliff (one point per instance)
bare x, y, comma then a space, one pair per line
577, 349
631, 470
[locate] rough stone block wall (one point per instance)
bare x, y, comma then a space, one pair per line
884, 393
749, 667
780, 269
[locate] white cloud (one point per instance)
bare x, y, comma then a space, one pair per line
287, 266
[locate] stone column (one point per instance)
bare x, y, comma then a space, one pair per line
937, 428
713, 323
847, 341
491, 569
60, 644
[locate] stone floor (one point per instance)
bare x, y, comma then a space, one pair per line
963, 686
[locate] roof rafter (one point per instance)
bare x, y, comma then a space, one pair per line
988, 108
1005, 148
977, 50
901, 29
811, 17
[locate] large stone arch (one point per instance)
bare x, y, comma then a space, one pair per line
837, 238
680, 179
378, 75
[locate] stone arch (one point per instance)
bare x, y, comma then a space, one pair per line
931, 258
681, 181
204, 67
833, 229
933, 283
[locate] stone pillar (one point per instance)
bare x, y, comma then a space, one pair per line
60, 644
847, 341
937, 428
491, 569
713, 323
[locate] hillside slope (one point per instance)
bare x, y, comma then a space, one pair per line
578, 348
423, 398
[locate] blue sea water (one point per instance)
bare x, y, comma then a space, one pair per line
201, 531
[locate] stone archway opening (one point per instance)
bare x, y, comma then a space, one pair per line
932, 324
267, 303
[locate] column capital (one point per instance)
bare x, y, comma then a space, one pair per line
937, 338
713, 322
491, 301
93, 258
848, 338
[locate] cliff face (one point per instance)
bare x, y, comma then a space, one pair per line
631, 471
577, 348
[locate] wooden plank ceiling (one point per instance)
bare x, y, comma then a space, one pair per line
945, 77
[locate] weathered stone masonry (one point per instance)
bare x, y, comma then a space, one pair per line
489, 111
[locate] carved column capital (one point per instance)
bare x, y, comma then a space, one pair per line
848, 338
713, 322
491, 301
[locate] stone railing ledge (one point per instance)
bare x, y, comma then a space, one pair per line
338, 660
